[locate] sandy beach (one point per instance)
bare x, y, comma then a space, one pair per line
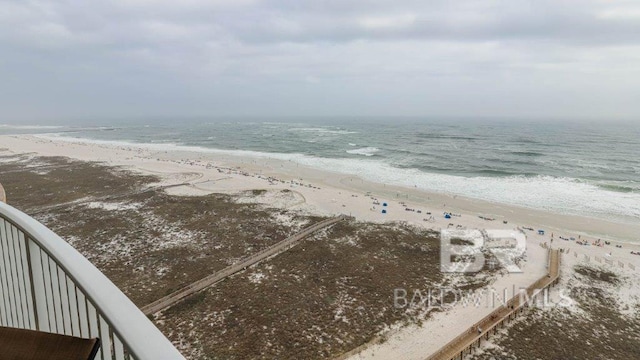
324, 192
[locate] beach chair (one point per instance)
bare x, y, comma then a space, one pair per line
35, 345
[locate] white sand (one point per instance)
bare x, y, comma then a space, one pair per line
326, 193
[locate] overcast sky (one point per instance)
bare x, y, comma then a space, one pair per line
133, 58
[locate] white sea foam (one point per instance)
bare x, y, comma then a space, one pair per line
366, 151
557, 194
561, 195
167, 146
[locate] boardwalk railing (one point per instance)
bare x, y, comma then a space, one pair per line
465, 342
46, 285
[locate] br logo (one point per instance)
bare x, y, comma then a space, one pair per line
463, 251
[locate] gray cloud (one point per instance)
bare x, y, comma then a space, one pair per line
200, 57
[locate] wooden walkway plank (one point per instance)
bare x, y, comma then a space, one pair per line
201, 284
462, 344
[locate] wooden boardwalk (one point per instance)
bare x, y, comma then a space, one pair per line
471, 338
273, 250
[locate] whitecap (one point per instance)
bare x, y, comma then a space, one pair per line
365, 151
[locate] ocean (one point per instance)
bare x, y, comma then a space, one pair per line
580, 168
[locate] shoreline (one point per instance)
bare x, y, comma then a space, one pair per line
323, 192
142, 159
551, 194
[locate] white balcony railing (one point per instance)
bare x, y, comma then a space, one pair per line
47, 285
